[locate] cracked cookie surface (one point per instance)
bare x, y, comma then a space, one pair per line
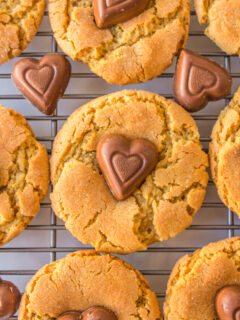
224, 153
85, 279
134, 51
165, 203
223, 20
24, 174
196, 279
19, 22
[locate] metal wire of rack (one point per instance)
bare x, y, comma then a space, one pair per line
47, 236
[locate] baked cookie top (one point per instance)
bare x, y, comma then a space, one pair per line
223, 19
197, 278
162, 207
131, 52
24, 174
224, 153
19, 21
85, 279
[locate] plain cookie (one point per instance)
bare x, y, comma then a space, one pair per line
224, 152
24, 174
134, 51
19, 22
223, 20
165, 203
85, 279
197, 278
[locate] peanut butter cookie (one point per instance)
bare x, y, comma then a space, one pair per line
19, 22
197, 278
166, 201
224, 154
24, 174
130, 52
83, 280
223, 19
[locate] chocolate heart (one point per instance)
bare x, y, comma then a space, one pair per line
93, 313
98, 313
124, 163
227, 303
42, 82
121, 162
199, 80
110, 12
70, 315
40, 79
9, 299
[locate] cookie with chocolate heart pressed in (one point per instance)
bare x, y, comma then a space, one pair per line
126, 51
164, 202
206, 284
19, 22
24, 174
223, 22
98, 287
224, 152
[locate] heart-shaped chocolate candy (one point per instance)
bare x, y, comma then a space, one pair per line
98, 313
93, 313
124, 163
42, 82
227, 303
70, 315
9, 299
198, 80
110, 12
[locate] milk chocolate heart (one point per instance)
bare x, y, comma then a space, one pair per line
227, 303
93, 313
9, 299
70, 315
124, 163
98, 313
110, 12
199, 80
42, 82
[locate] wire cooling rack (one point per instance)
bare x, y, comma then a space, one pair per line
46, 239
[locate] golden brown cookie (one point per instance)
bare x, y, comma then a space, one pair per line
19, 22
86, 279
24, 174
224, 154
223, 20
196, 279
165, 203
133, 51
